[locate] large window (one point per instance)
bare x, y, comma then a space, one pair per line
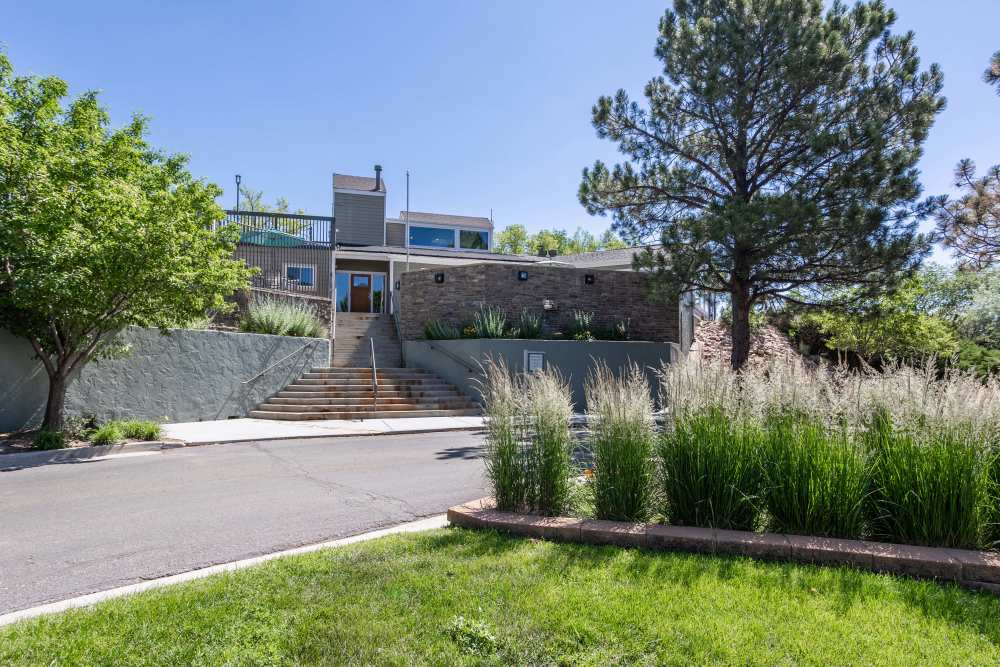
472, 239
449, 237
432, 237
303, 276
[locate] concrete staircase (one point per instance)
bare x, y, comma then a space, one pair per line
346, 393
351, 348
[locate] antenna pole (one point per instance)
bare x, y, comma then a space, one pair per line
238, 193
407, 219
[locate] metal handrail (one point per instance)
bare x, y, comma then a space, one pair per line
374, 375
287, 356
451, 355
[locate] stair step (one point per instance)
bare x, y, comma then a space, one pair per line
379, 407
303, 416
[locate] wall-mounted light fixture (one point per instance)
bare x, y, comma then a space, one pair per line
439, 278
588, 279
522, 275
548, 304
398, 285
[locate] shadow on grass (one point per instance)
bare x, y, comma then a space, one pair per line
841, 587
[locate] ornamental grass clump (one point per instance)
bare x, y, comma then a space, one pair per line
815, 478
929, 486
490, 322
528, 441
280, 317
622, 439
710, 470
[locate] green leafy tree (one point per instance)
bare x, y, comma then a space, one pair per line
610, 241
549, 239
97, 231
889, 325
776, 156
512, 240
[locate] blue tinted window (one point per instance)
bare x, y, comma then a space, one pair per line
343, 282
474, 240
433, 237
303, 275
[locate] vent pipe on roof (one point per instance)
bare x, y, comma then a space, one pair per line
378, 178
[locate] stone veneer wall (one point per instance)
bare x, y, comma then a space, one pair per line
614, 296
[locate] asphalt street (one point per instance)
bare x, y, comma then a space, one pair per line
75, 528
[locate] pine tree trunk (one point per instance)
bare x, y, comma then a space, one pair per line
57, 399
740, 328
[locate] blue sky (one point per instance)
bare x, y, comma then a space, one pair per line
487, 104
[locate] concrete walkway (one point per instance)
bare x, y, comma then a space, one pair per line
243, 430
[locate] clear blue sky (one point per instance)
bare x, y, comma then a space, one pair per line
487, 104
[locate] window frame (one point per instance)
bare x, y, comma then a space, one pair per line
299, 284
457, 237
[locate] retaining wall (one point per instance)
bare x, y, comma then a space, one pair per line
186, 375
457, 361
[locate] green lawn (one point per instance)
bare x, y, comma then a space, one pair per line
463, 597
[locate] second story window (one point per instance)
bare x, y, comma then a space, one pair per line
472, 239
432, 237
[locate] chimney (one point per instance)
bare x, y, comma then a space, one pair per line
378, 178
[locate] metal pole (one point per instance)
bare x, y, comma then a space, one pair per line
237, 193
407, 219
333, 276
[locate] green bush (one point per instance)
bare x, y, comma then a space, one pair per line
281, 317
622, 439
529, 325
140, 430
528, 441
582, 325
930, 488
490, 322
710, 472
816, 478
46, 440
109, 434
438, 330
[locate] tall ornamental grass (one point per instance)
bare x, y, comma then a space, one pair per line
622, 440
281, 317
815, 478
710, 471
528, 443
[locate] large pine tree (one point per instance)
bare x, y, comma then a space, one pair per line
776, 155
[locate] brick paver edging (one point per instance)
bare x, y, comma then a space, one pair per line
973, 569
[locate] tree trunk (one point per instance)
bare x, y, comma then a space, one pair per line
57, 399
740, 328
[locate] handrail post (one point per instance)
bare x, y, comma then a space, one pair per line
371, 341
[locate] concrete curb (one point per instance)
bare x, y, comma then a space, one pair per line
429, 523
21, 460
333, 435
979, 570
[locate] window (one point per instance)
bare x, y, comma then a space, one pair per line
343, 296
432, 237
303, 276
378, 293
472, 239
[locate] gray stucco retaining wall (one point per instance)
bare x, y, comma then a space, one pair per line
186, 375
457, 361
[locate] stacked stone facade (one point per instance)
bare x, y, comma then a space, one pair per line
613, 296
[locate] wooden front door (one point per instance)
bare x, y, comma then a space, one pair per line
361, 293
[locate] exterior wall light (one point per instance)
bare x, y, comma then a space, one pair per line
439, 278
588, 279
398, 285
522, 275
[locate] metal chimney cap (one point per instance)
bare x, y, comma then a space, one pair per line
378, 167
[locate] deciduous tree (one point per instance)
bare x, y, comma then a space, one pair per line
776, 155
98, 231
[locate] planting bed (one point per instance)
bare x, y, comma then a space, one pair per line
972, 569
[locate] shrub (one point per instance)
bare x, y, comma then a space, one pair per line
473, 637
622, 438
528, 440
816, 478
281, 317
930, 487
79, 427
490, 322
46, 440
438, 330
710, 471
140, 430
581, 326
529, 325
109, 434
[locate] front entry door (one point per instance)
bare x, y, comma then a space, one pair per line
361, 293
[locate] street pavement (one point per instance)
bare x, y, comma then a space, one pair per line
89, 525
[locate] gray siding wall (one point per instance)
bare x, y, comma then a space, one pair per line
360, 218
573, 359
188, 375
395, 234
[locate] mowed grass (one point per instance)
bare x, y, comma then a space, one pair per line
458, 597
